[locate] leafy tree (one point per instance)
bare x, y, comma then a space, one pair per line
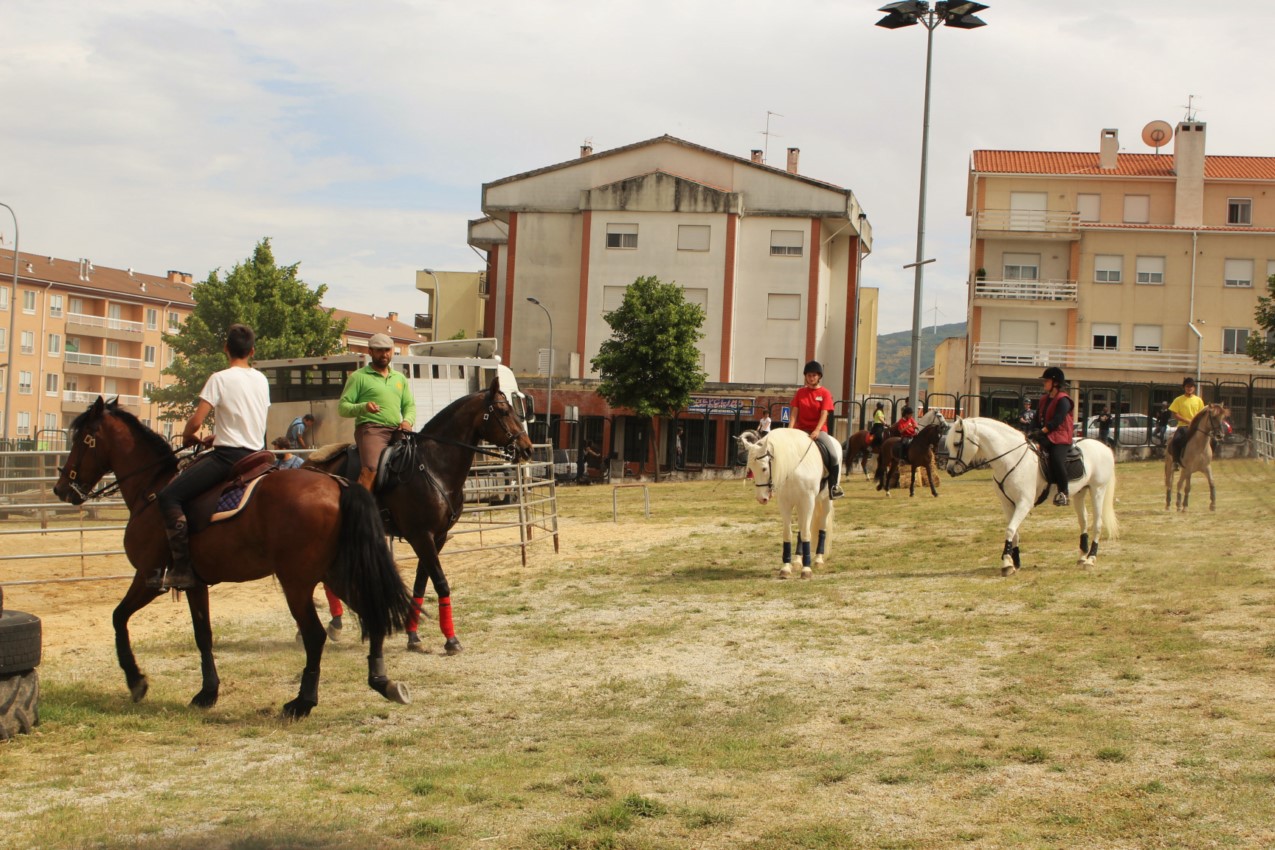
285, 313
1261, 345
651, 363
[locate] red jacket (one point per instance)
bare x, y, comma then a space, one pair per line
1050, 414
907, 427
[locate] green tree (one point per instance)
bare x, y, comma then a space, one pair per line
286, 314
651, 362
1261, 345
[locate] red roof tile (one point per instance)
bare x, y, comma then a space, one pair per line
101, 281
1127, 165
364, 325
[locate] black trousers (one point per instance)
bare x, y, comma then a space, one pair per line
1058, 464
211, 469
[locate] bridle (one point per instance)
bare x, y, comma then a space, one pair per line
503, 450
958, 466
770, 469
111, 489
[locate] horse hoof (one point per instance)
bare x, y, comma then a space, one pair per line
138, 689
806, 572
297, 709
204, 699
785, 571
1008, 570
334, 633
819, 562
415, 644
453, 647
1090, 561
397, 692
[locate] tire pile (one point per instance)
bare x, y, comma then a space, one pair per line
20, 641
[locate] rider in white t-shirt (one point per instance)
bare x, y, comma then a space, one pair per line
241, 397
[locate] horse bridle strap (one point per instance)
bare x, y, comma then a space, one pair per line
448, 441
114, 486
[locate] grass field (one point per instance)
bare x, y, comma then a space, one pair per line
655, 687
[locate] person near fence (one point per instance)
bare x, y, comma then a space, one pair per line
380, 402
287, 460
240, 397
589, 456
298, 436
811, 406
1104, 425
1162, 417
1184, 408
763, 424
1052, 429
1025, 418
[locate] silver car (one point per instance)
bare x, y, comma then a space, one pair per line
1136, 429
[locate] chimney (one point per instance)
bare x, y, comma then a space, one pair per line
1188, 165
1108, 148
393, 316
793, 153
586, 150
174, 276
757, 157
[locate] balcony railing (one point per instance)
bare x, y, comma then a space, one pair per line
104, 360
1016, 354
82, 397
104, 322
1026, 290
424, 321
1031, 221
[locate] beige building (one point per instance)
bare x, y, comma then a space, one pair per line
457, 303
360, 327
73, 331
1129, 271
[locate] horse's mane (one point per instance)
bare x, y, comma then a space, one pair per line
155, 441
1209, 411
787, 447
450, 410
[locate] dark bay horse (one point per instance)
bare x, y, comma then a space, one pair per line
427, 499
299, 526
858, 448
920, 454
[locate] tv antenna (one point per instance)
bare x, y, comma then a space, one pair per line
1156, 134
768, 134
1191, 108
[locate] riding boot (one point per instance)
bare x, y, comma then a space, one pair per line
180, 575
834, 484
366, 478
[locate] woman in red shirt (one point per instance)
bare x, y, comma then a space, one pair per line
811, 406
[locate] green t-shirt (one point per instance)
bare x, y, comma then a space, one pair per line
390, 392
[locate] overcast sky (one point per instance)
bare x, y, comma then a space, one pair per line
166, 134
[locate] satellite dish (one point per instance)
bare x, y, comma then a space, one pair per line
1156, 134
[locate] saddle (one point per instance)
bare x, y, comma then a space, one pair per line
229, 498
393, 467
1074, 464
828, 460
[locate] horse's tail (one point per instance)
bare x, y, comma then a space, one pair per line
365, 572
1109, 522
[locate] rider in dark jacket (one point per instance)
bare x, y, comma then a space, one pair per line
1053, 426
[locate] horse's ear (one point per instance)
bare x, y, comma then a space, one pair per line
98, 406
494, 388
749, 438
113, 403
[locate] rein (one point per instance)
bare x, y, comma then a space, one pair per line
114, 487
448, 441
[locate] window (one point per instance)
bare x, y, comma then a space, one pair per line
1146, 337
55, 306
27, 342
55, 345
174, 321
1088, 206
77, 305
1235, 340
1270, 270
1239, 210
697, 296
147, 388
1137, 209
148, 355
1238, 273
786, 243
1150, 270
4, 298
780, 306
28, 301
612, 297
152, 318
781, 370
50, 422
51, 383
1106, 268
1021, 266
4, 339
622, 236
24, 424
692, 237
72, 344
24, 383
1106, 337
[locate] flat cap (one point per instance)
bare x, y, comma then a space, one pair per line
380, 341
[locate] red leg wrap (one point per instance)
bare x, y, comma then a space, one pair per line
417, 601
445, 617
335, 608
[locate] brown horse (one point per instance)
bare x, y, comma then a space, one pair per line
858, 449
1197, 456
300, 527
427, 498
920, 454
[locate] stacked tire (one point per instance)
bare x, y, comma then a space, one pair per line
20, 637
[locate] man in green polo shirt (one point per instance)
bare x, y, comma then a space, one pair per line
380, 402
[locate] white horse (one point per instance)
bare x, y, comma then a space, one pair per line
786, 466
1016, 470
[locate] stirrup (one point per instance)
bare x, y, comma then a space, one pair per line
1061, 500
835, 492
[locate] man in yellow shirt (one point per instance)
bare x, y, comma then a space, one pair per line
1184, 408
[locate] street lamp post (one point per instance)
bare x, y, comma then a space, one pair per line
549, 383
438, 304
13, 314
952, 13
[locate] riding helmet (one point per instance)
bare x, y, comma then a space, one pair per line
1054, 374
813, 366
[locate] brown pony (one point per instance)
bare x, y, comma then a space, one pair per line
300, 527
858, 448
920, 454
427, 498
1197, 456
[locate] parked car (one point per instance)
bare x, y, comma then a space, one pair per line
1136, 429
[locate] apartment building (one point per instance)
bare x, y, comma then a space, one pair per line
71, 331
359, 328
457, 303
771, 255
1128, 270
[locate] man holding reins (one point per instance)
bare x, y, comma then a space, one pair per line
380, 402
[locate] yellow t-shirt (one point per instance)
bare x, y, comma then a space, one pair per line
1185, 407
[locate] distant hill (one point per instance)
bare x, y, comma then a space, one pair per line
894, 351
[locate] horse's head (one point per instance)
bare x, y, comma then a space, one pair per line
760, 462
89, 459
961, 449
500, 426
